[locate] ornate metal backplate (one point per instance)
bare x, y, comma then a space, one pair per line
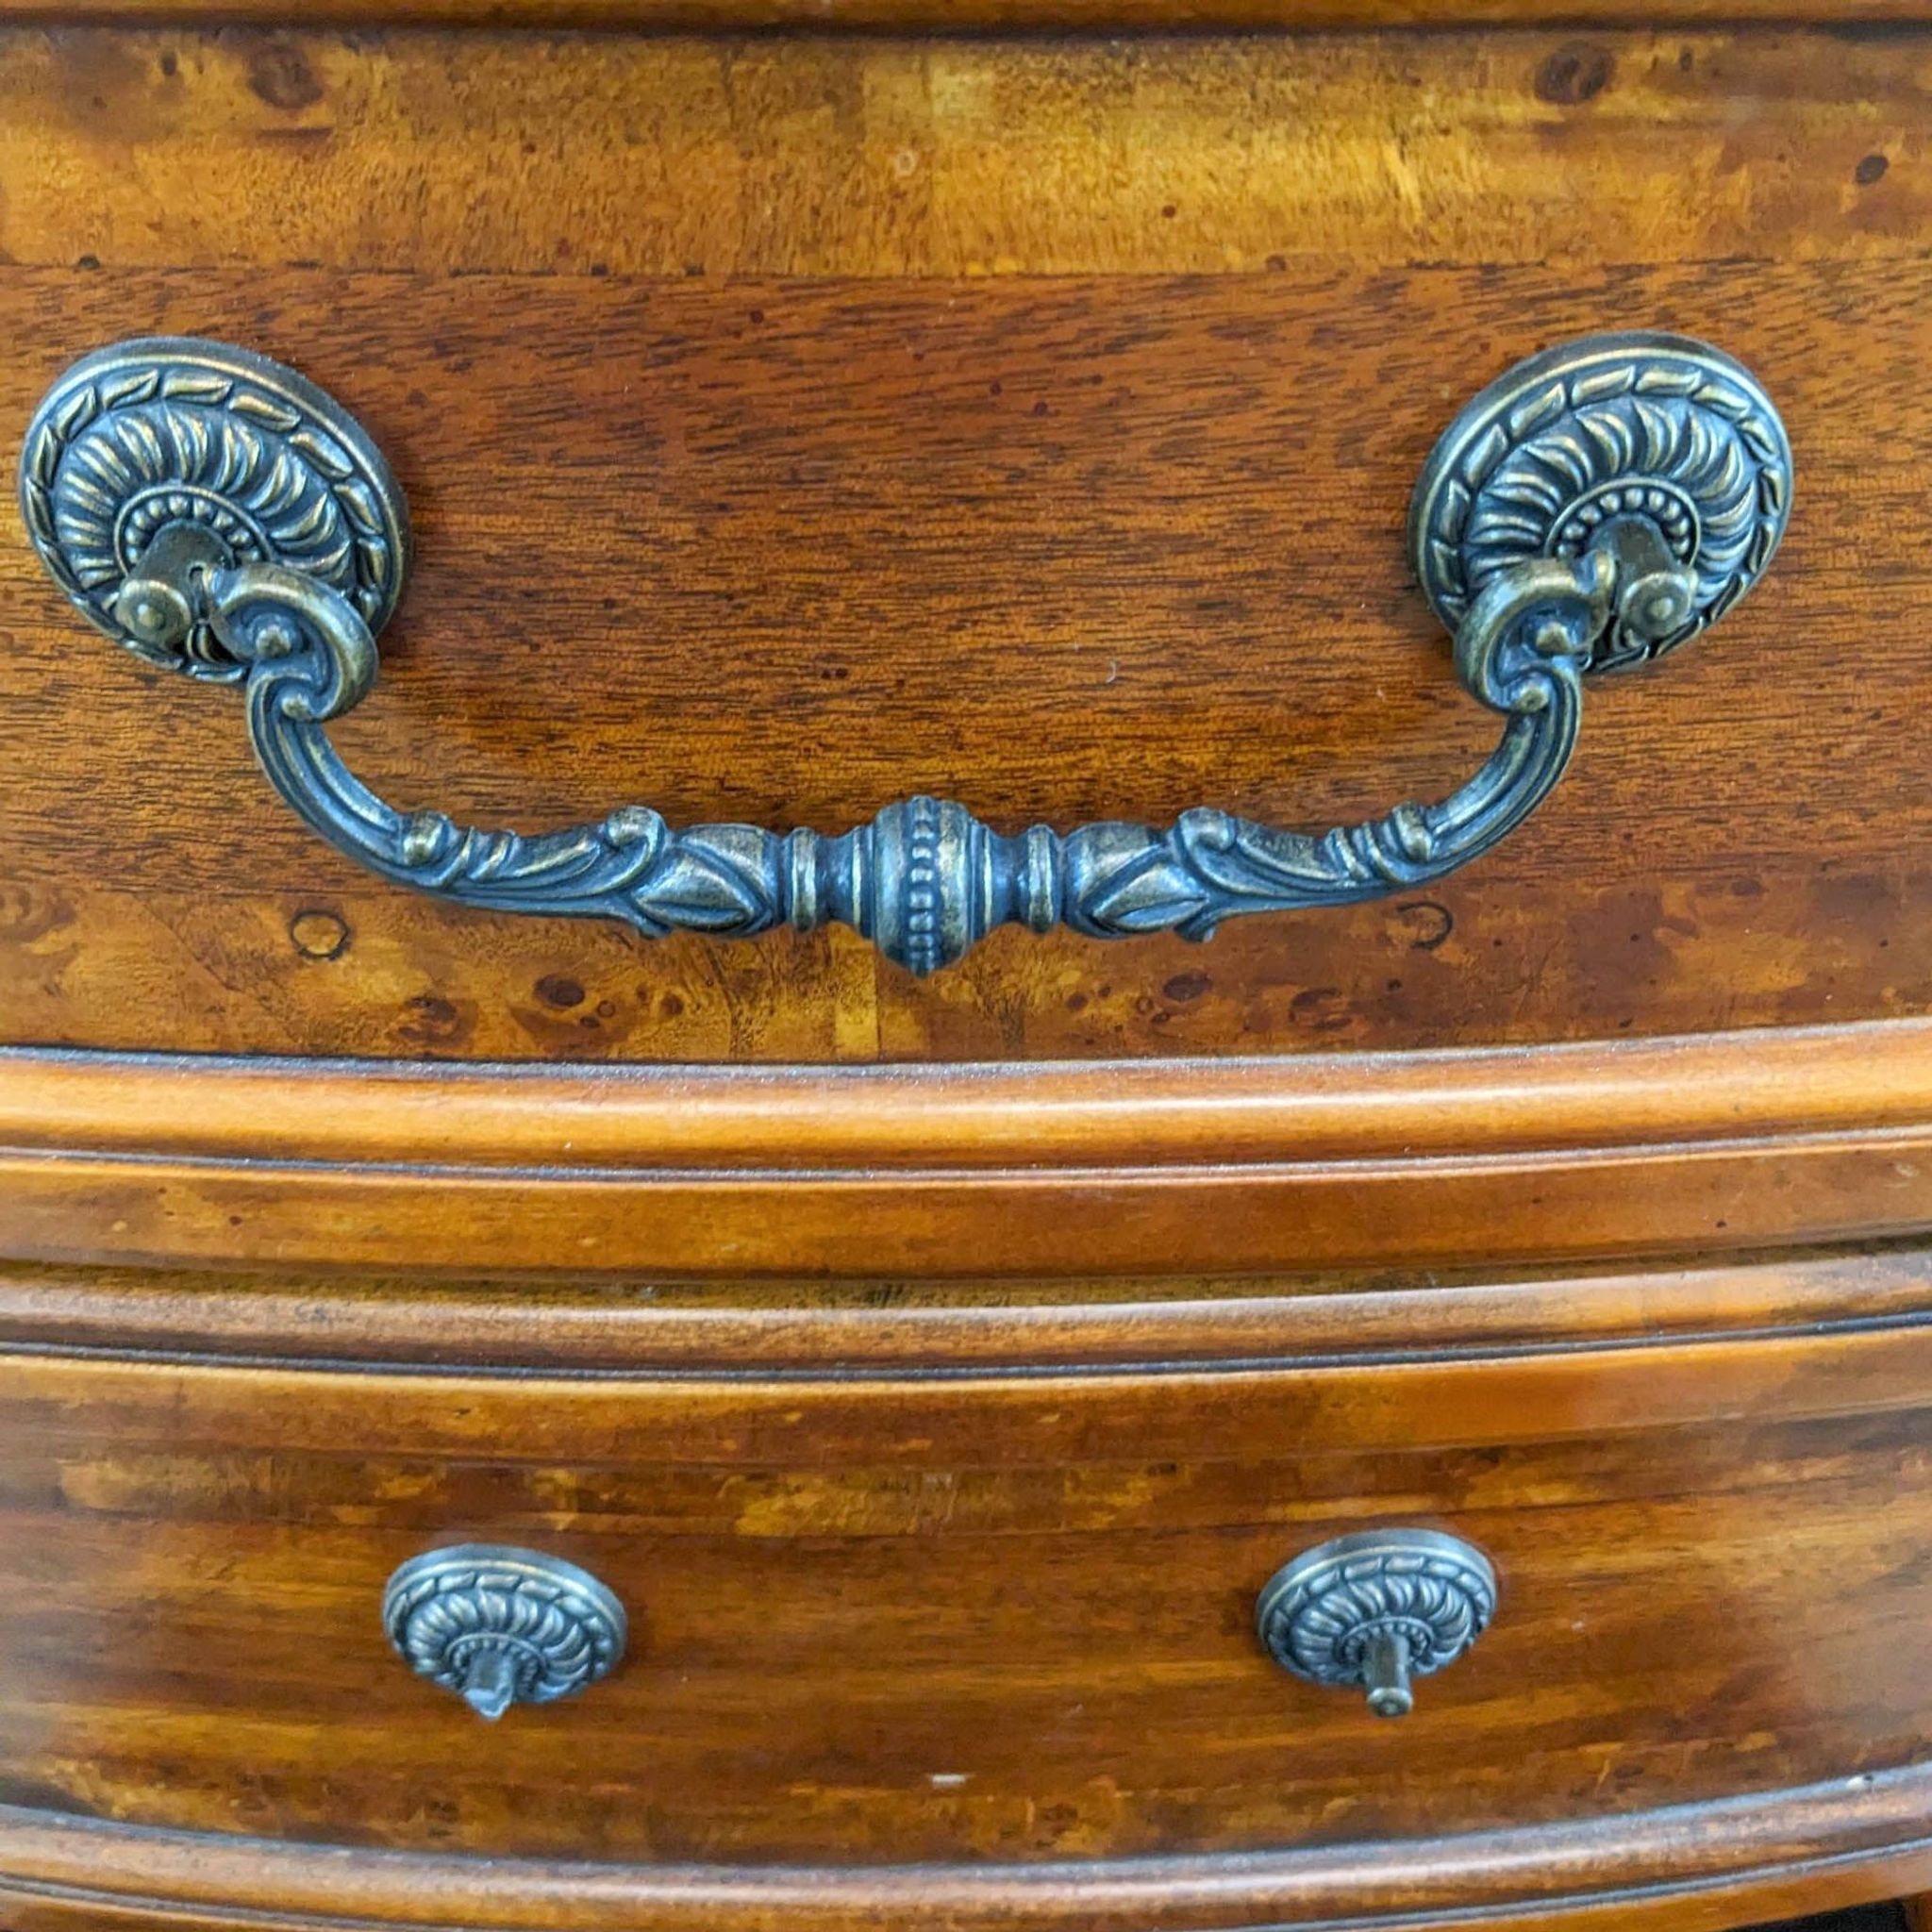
220, 515
500, 1626
1376, 1608
166, 430
1618, 426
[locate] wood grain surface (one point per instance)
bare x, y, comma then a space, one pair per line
685, 157
949, 17
1031, 422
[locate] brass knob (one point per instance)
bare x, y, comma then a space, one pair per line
500, 1626
1378, 1609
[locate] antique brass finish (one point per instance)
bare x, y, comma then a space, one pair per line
500, 1626
1595, 509
1378, 1609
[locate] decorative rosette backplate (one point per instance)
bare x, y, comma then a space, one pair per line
500, 1626
1378, 1609
164, 432
1611, 429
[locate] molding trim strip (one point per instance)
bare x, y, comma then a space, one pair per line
1499, 1156
1085, 1114
1780, 1851
738, 1329
954, 16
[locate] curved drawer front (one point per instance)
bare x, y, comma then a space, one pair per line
770, 464
910, 1619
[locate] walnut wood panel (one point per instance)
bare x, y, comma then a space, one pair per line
1001, 1618
733, 495
1453, 1159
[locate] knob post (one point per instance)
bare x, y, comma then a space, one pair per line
161, 603
1384, 1674
490, 1684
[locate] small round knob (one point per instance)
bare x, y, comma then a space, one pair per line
1378, 1609
500, 1626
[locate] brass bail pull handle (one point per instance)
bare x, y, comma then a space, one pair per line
1599, 506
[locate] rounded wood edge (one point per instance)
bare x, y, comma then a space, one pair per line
999, 1419
1565, 1208
1503, 1157
1712, 1864
799, 1327
1108, 1115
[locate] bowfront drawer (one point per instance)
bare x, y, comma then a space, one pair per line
885, 538
1004, 1618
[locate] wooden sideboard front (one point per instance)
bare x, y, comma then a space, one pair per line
1016, 401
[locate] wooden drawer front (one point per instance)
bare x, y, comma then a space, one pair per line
794, 426
912, 1621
